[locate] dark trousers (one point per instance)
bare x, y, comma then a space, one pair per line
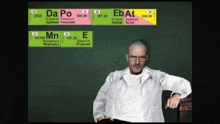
115, 121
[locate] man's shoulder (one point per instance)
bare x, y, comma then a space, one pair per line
154, 71
148, 69
117, 72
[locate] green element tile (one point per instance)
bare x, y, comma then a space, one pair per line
43, 16
77, 39
107, 16
44, 38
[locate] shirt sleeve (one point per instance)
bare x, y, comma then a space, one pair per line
175, 84
100, 100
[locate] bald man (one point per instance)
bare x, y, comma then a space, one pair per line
134, 94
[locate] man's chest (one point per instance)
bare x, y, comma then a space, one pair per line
145, 90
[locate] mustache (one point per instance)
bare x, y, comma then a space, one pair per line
137, 66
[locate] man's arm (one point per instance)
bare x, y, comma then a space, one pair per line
100, 100
179, 86
175, 84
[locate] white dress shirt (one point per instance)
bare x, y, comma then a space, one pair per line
131, 109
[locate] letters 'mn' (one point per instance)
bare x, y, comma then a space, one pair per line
51, 35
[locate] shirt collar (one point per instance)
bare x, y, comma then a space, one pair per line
145, 73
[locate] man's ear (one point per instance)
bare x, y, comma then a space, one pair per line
127, 57
146, 59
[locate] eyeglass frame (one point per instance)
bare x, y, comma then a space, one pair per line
145, 57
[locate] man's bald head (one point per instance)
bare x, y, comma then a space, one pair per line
138, 43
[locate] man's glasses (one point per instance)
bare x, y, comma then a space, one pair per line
134, 58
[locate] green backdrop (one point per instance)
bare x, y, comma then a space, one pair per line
63, 82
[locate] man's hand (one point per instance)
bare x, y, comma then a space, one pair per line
105, 117
173, 101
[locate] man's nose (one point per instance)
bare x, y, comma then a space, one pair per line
137, 61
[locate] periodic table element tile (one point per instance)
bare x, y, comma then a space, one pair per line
77, 39
75, 17
43, 16
44, 39
140, 17
107, 16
